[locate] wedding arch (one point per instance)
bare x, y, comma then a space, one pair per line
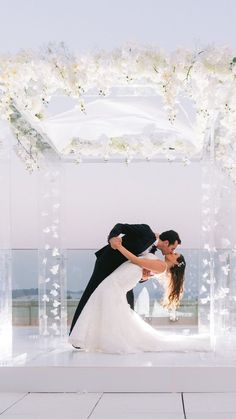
132, 103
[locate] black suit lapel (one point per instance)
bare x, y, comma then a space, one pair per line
148, 243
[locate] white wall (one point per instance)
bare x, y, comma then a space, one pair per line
153, 193
97, 196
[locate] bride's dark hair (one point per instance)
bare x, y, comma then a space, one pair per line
175, 288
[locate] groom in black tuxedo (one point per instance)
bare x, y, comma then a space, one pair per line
139, 239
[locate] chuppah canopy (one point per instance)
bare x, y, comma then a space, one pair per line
201, 82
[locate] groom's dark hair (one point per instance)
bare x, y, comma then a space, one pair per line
171, 236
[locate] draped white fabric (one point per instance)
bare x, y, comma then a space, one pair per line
117, 117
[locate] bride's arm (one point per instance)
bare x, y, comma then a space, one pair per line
155, 265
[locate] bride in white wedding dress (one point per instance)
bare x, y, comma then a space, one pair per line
108, 324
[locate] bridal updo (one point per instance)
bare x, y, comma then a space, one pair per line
175, 287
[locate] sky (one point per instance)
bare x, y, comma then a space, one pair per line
106, 24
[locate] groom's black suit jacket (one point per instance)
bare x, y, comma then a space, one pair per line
137, 238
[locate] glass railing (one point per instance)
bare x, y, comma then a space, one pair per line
79, 265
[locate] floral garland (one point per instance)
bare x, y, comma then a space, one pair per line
130, 147
207, 77
30, 145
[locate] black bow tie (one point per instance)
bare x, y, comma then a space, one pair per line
153, 249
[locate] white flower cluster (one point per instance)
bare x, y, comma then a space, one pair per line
30, 144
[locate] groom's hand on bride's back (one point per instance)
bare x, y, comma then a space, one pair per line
146, 275
115, 242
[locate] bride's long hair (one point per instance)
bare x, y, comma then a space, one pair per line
175, 287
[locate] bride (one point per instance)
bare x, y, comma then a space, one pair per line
108, 324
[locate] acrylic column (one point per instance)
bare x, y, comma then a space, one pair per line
206, 319
51, 255
5, 252
217, 302
225, 266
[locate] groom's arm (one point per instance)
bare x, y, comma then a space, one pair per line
137, 229
119, 228
114, 236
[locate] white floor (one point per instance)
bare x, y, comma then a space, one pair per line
31, 350
39, 365
118, 406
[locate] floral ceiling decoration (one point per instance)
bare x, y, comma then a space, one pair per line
206, 77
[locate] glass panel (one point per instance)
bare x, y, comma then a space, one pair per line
80, 264
5, 253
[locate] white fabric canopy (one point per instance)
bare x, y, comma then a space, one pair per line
117, 117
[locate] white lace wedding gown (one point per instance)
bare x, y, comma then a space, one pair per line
108, 324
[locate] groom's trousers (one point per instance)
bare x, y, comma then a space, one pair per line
130, 298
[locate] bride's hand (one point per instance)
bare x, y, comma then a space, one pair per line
147, 273
115, 242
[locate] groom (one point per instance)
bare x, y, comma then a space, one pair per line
139, 239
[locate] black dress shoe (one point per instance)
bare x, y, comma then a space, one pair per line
76, 347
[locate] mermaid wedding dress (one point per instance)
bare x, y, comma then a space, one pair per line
108, 324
